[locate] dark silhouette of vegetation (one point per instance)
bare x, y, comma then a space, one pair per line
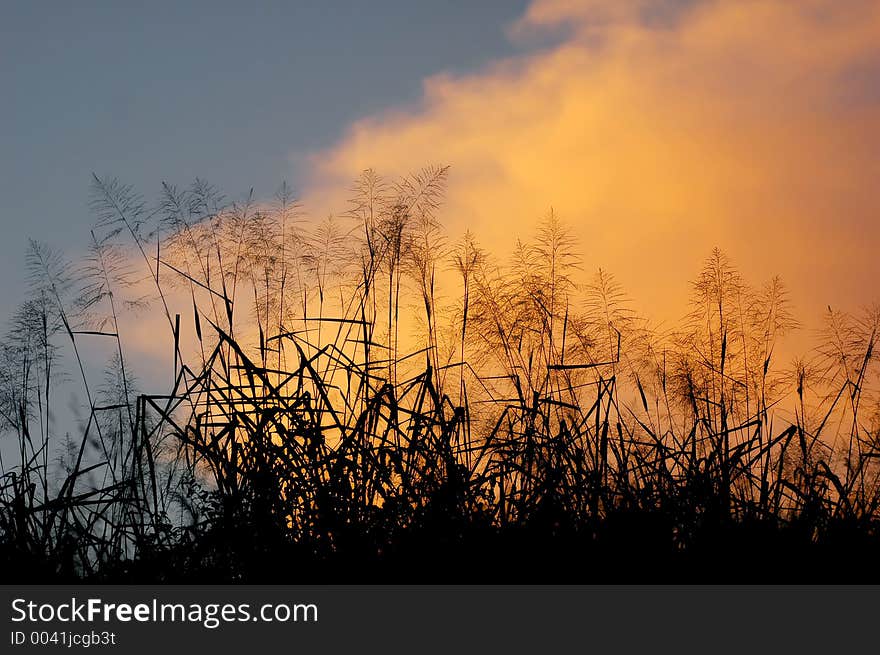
357, 399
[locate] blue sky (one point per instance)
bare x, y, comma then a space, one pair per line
226, 91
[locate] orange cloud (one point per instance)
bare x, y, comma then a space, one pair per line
752, 125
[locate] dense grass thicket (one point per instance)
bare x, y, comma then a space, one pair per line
366, 398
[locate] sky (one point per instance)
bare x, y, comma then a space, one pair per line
660, 130
232, 92
657, 128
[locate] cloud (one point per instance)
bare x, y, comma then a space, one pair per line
659, 130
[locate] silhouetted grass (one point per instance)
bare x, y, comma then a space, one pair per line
533, 429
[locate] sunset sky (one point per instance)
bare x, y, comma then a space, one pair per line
657, 129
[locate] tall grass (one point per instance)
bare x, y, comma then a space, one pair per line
364, 398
